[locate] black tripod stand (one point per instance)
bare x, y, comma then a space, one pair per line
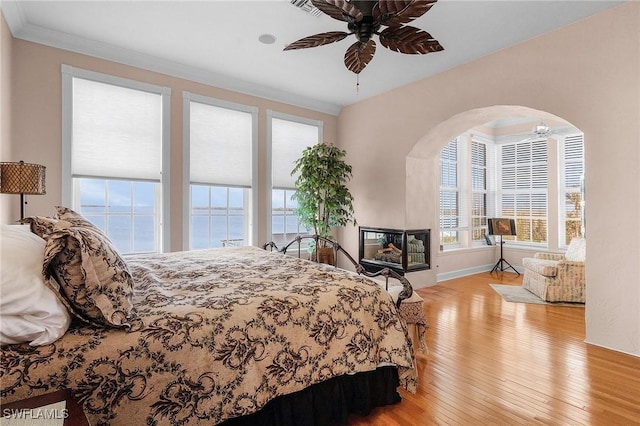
500, 263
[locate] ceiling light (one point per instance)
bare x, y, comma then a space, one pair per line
267, 39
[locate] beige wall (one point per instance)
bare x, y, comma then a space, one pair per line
588, 74
37, 123
6, 44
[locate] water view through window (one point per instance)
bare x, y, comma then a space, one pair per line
218, 216
127, 211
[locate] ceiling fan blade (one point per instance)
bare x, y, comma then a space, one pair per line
396, 12
411, 40
342, 10
317, 40
358, 55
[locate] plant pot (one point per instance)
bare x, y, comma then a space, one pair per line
326, 255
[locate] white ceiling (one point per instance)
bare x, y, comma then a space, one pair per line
216, 42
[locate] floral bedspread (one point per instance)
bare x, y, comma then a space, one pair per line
218, 334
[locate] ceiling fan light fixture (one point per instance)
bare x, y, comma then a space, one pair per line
542, 129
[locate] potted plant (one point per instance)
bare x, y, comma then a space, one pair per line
324, 201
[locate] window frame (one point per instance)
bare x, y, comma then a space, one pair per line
487, 191
456, 191
563, 189
555, 189
68, 190
252, 213
131, 215
287, 213
213, 211
530, 191
271, 114
465, 191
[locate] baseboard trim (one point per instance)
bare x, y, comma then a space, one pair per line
463, 272
588, 342
470, 271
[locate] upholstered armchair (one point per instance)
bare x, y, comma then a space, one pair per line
557, 277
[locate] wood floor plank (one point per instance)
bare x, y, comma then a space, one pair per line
492, 362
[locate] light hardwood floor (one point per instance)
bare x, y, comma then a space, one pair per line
498, 363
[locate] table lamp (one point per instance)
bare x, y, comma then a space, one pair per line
22, 178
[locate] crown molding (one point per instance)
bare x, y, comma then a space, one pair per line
12, 10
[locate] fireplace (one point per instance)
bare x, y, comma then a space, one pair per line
397, 249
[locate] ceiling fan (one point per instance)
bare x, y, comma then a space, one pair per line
364, 19
539, 131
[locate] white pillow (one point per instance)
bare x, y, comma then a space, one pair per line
29, 310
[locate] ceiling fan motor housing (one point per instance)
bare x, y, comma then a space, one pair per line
364, 29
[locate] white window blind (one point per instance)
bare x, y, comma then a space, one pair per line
449, 193
220, 145
573, 161
288, 140
478, 190
449, 165
118, 124
478, 166
524, 177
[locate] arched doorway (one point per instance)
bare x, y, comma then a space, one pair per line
422, 177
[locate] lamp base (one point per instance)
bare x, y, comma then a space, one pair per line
22, 203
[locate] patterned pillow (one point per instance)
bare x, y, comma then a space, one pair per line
40, 225
94, 281
76, 219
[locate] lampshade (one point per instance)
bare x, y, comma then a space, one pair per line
22, 178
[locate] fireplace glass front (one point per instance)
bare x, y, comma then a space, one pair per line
401, 250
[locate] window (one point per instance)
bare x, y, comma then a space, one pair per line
449, 194
486, 176
218, 216
572, 191
479, 194
523, 190
220, 140
125, 210
464, 191
284, 221
115, 167
288, 137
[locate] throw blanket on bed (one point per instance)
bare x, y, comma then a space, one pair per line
219, 333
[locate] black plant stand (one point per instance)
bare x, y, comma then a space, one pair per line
500, 263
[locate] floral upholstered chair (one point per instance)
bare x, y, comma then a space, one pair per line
557, 277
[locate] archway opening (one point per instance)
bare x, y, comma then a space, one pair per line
423, 177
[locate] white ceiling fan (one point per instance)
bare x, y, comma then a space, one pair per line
539, 131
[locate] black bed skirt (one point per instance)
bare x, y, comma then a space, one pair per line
328, 403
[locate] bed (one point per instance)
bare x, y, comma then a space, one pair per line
228, 336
